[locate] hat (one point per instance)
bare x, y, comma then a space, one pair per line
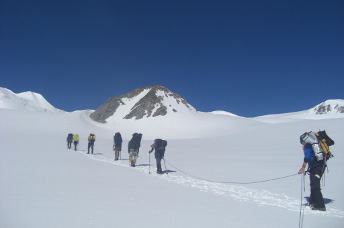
303, 136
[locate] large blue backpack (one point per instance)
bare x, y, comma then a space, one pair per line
135, 141
160, 146
70, 137
118, 139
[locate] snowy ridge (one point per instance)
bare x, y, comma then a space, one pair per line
330, 109
153, 102
28, 101
223, 113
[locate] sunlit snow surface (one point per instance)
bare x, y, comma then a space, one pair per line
44, 184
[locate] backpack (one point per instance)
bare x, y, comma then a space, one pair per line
320, 142
76, 137
135, 141
92, 138
160, 146
324, 142
70, 137
118, 139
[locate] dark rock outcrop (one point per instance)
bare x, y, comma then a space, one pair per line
325, 108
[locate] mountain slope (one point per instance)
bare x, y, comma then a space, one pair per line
330, 109
28, 101
43, 184
150, 101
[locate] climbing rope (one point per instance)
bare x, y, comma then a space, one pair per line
230, 182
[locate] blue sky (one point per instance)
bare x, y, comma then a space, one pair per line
250, 58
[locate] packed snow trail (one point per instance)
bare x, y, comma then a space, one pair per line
236, 192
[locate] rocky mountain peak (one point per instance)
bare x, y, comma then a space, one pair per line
329, 106
149, 101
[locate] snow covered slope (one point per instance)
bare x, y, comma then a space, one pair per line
329, 109
43, 184
332, 107
223, 113
28, 101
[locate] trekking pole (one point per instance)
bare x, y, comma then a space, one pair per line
165, 165
149, 162
302, 208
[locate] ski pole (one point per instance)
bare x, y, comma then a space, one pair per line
165, 165
149, 162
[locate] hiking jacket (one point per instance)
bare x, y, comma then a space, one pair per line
310, 157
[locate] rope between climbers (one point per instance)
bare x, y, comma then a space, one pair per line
230, 182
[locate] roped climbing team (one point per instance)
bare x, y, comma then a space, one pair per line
315, 168
133, 147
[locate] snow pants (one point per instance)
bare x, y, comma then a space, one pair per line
316, 196
75, 144
133, 157
117, 151
158, 158
90, 145
69, 144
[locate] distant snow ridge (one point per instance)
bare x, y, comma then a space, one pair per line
223, 113
149, 101
27, 101
328, 107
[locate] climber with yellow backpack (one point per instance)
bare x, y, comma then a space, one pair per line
91, 140
76, 140
316, 153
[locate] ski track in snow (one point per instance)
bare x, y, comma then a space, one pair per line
237, 192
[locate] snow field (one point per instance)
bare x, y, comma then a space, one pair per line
43, 184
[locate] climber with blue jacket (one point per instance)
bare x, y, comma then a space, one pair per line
315, 169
